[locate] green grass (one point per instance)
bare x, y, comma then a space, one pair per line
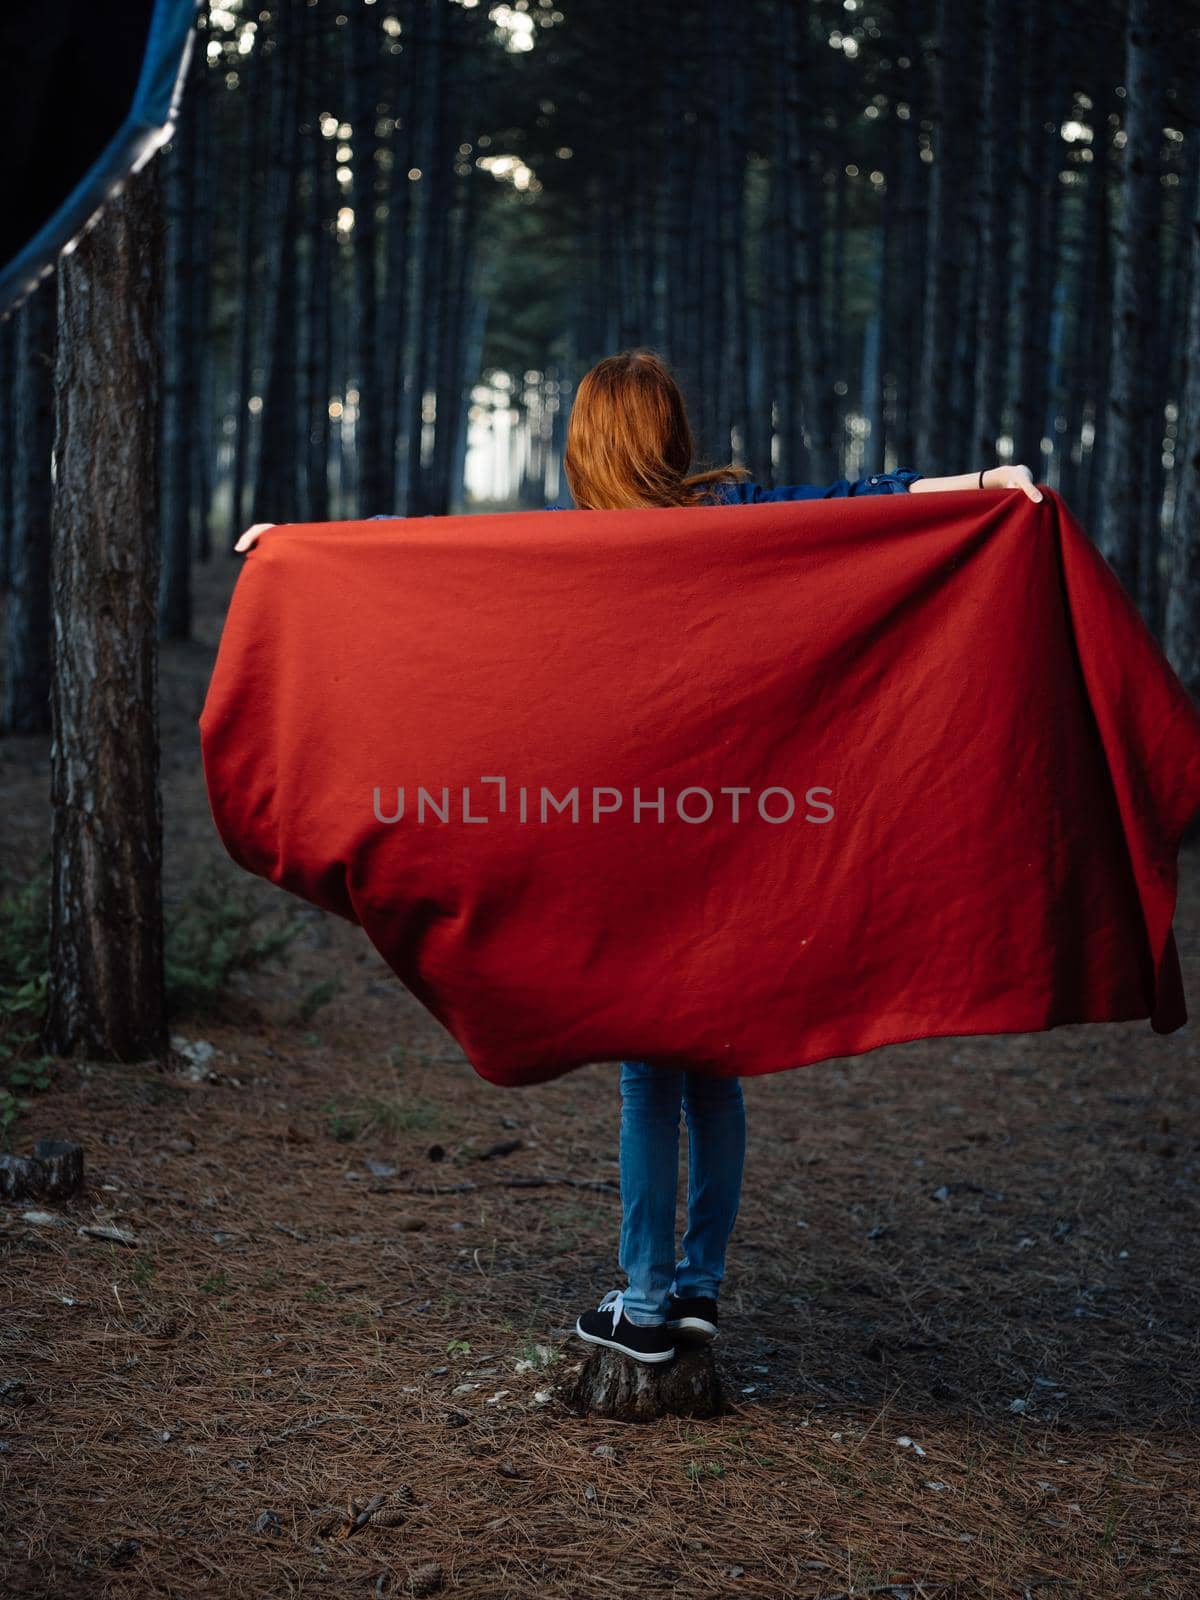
347, 1122
218, 934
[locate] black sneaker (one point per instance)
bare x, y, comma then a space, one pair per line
608, 1325
693, 1316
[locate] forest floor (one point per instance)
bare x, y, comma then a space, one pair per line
961, 1321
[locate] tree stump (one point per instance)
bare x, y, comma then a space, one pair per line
608, 1384
61, 1163
53, 1172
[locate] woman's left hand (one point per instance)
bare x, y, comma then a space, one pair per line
1010, 477
249, 538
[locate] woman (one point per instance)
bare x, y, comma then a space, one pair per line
629, 444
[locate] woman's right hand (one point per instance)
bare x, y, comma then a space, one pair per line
250, 537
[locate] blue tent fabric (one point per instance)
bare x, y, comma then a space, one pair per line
147, 124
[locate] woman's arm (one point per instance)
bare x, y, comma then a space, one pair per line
993, 478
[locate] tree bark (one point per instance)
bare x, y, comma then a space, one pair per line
1128, 524
27, 684
1182, 620
995, 206
106, 953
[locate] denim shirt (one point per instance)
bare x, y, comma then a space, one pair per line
746, 492
731, 492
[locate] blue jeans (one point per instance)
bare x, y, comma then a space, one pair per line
716, 1121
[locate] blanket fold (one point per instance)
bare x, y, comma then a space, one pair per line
739, 788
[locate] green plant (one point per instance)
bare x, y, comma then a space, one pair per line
397, 1116
343, 1122
217, 935
217, 1284
320, 994
458, 1347
24, 980
143, 1270
538, 1354
346, 1123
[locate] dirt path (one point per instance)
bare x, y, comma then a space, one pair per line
962, 1331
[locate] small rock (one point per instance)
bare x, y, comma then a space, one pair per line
198, 1051
122, 1551
198, 1054
734, 1572
381, 1169
268, 1522
543, 1397
43, 1219
589, 1492
508, 1469
605, 1450
180, 1147
1017, 1405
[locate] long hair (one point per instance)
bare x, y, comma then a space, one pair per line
629, 442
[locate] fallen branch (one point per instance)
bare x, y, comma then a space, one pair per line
532, 1182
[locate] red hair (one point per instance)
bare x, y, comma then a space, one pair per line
629, 442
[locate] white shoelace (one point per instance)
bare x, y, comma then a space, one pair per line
613, 1301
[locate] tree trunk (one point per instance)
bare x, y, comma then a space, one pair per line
937, 429
106, 953
995, 206
27, 685
1182, 620
274, 484
1125, 516
246, 298
178, 387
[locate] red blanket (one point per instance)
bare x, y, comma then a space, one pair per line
741, 788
